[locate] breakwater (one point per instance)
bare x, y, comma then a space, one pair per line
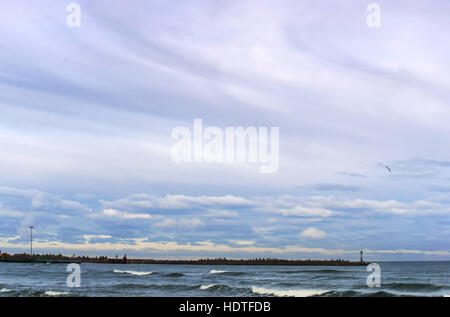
50, 258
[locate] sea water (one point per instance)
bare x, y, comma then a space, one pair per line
397, 279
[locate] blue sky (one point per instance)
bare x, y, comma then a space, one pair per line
86, 116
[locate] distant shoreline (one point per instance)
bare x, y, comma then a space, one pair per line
26, 258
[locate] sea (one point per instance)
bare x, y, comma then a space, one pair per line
166, 280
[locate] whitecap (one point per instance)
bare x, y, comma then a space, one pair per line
217, 272
52, 293
289, 292
133, 272
207, 286
4, 290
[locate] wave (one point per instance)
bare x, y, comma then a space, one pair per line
446, 295
176, 287
5, 290
139, 273
227, 272
131, 285
331, 277
53, 293
287, 284
223, 289
312, 271
348, 293
290, 293
380, 294
412, 287
353, 293
163, 287
175, 274
217, 272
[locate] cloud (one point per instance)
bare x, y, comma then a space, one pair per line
88, 238
205, 246
85, 133
242, 242
352, 174
344, 105
415, 208
332, 206
439, 189
221, 213
336, 187
312, 233
40, 201
175, 202
10, 213
268, 221
183, 201
306, 212
188, 224
124, 215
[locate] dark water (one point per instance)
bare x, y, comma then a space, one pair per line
397, 279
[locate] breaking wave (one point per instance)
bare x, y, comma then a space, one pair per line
230, 273
224, 289
139, 273
217, 272
53, 293
290, 293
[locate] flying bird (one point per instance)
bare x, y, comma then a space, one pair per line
388, 168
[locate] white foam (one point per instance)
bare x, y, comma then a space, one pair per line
446, 295
291, 292
207, 286
217, 272
4, 290
52, 293
133, 272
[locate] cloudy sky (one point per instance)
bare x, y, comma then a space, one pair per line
86, 116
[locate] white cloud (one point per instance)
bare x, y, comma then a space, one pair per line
221, 213
38, 199
10, 213
175, 202
123, 215
242, 242
307, 212
188, 224
88, 237
415, 208
201, 246
167, 223
313, 233
191, 223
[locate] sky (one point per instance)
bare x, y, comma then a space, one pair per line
86, 115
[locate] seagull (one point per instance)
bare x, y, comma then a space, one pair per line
388, 168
